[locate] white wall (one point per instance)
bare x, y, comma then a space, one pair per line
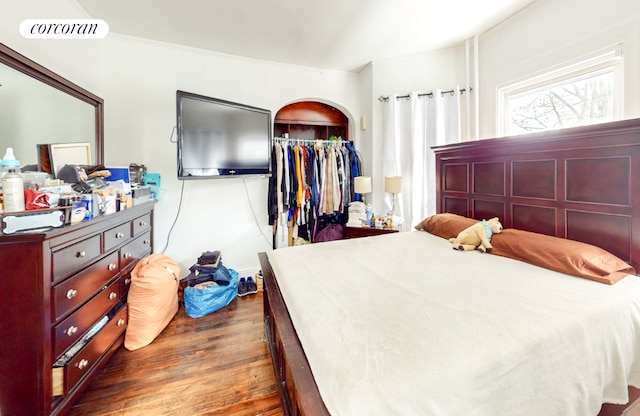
543, 35
140, 82
550, 32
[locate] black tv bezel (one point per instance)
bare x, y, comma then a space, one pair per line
258, 172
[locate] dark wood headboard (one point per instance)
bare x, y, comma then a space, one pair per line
580, 183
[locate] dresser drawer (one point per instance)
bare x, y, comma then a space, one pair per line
117, 236
65, 378
141, 224
73, 258
81, 286
135, 250
69, 331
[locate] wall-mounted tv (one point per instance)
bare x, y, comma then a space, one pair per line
221, 139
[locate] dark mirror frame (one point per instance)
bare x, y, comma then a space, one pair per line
25, 65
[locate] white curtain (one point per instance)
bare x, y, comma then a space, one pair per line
411, 126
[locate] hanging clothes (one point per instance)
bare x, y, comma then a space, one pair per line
312, 185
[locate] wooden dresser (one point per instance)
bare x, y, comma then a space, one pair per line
65, 290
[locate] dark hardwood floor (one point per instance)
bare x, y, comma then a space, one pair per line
214, 365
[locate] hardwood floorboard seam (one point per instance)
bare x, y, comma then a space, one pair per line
215, 365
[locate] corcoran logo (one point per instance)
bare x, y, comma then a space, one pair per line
64, 28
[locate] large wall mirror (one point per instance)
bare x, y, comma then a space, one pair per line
37, 106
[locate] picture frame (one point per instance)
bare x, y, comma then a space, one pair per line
52, 157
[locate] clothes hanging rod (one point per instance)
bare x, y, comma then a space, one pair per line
424, 94
323, 141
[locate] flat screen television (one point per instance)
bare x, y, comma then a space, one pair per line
221, 139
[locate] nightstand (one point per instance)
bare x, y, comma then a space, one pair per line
355, 232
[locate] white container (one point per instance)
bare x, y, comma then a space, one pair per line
13, 191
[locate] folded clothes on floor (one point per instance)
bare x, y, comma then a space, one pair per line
210, 258
200, 274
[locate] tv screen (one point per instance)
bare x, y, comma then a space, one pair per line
218, 138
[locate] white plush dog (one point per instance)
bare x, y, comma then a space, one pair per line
477, 236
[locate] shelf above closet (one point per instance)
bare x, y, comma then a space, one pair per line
311, 120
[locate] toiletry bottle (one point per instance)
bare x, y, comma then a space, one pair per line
12, 185
369, 215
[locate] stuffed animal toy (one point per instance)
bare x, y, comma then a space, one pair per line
477, 236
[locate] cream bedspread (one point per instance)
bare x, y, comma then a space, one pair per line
401, 324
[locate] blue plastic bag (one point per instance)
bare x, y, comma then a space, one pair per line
201, 302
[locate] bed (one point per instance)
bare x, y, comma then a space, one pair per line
402, 324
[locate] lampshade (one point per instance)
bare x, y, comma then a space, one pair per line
393, 184
362, 184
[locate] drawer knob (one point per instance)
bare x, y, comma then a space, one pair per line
71, 293
113, 295
81, 253
71, 330
146, 242
142, 223
127, 255
82, 364
119, 235
111, 266
127, 281
120, 322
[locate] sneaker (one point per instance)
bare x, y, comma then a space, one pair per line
252, 287
242, 287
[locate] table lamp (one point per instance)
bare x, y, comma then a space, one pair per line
362, 185
393, 185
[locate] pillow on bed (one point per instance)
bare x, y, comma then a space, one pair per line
562, 255
445, 225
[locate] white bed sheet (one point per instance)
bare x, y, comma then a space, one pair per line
401, 324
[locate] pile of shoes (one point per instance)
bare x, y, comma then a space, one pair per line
247, 286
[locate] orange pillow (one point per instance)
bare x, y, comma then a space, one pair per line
152, 299
562, 255
445, 225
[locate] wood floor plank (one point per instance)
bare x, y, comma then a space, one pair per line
214, 365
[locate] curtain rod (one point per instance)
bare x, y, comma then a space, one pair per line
424, 94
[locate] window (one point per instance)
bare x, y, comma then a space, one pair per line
587, 92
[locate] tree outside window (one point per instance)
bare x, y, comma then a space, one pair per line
582, 94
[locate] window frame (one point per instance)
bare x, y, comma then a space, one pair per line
609, 59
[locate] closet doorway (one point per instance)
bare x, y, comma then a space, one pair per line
311, 120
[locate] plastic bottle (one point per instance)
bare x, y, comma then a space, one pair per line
7, 161
12, 184
369, 215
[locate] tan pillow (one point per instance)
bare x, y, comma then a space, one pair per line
445, 225
152, 299
562, 255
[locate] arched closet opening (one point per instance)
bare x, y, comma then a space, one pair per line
311, 120
314, 165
